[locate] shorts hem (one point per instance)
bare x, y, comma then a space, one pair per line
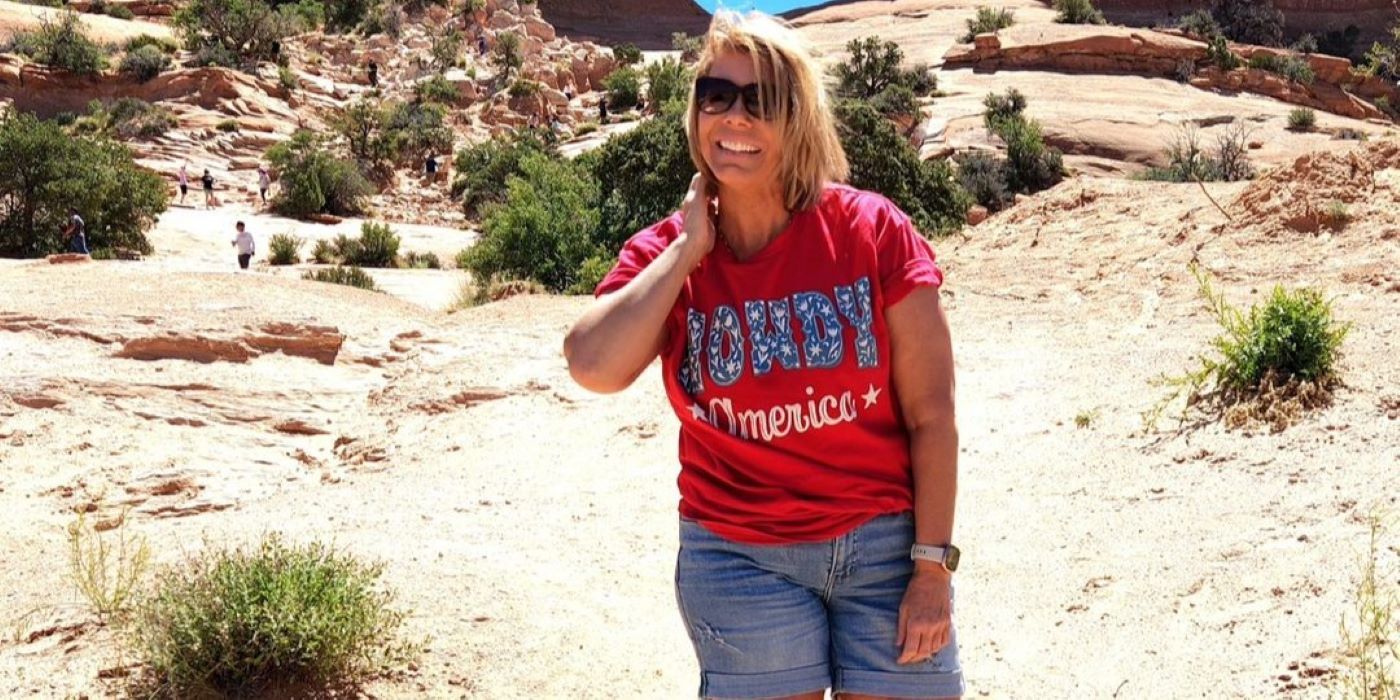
775, 684
900, 685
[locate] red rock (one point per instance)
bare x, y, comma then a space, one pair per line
65, 258
976, 215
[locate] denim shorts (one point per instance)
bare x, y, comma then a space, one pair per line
775, 620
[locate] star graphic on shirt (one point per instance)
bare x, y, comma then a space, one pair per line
871, 396
697, 413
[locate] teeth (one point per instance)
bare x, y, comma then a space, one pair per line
735, 146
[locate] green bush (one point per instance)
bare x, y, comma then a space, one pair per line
896, 101
1302, 119
145, 62
1002, 107
873, 65
1249, 21
445, 49
1200, 24
984, 178
689, 46
422, 261
120, 12
1291, 67
128, 118
544, 228
1077, 12
591, 274
1030, 165
286, 78
47, 170
284, 249
345, 15
228, 126
378, 246
667, 80
237, 32
63, 44
324, 253
247, 623
508, 54
1383, 58
1218, 52
348, 276
482, 169
165, 45
988, 20
642, 176
883, 161
627, 54
413, 130
436, 89
624, 87
315, 181
521, 88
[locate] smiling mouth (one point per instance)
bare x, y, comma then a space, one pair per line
738, 147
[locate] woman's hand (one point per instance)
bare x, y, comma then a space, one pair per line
925, 615
697, 211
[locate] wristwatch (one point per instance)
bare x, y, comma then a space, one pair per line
946, 556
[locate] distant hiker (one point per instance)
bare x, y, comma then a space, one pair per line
430, 167
569, 93
534, 121
481, 45
603, 109
75, 233
264, 182
184, 178
244, 243
373, 74
208, 181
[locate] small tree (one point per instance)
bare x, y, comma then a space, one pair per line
873, 66
624, 87
234, 32
446, 47
689, 46
508, 55
667, 80
642, 175
145, 62
987, 21
1383, 58
315, 181
627, 54
1078, 12
483, 169
1249, 21
63, 44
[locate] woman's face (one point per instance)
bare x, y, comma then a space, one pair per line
741, 150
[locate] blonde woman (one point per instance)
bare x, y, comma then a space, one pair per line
805, 352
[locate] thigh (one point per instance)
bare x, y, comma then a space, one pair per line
757, 632
864, 609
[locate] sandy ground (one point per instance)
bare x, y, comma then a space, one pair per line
16, 17
531, 527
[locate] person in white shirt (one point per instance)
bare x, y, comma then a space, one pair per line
264, 182
244, 243
184, 183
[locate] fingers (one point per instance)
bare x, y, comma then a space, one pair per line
919, 640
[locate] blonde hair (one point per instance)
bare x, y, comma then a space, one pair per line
811, 155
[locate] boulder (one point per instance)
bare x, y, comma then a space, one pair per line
976, 215
539, 29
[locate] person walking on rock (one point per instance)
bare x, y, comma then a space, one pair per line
243, 242
75, 233
807, 357
264, 182
373, 74
184, 179
208, 182
603, 109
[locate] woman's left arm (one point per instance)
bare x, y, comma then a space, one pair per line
922, 366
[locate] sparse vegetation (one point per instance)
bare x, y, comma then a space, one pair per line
1185, 70
1200, 24
1030, 165
1383, 58
873, 67
128, 118
145, 62
482, 169
165, 45
627, 54
1188, 160
228, 126
1336, 215
667, 80
284, 249
106, 568
1078, 12
984, 177
313, 180
624, 87
436, 89
1219, 54
286, 78
1085, 419
988, 20
48, 170
378, 246
324, 253
348, 276
237, 33
247, 623
1302, 119
421, 261
1291, 67
445, 49
62, 44
1273, 363
1370, 668
507, 54
689, 46
1347, 133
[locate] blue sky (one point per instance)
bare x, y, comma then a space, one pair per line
770, 6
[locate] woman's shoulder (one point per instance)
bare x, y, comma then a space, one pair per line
657, 236
859, 208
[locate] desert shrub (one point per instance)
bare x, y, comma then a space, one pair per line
323, 253
508, 54
436, 89
120, 12
346, 15
286, 78
1306, 43
627, 54
872, 66
988, 20
667, 80
1249, 21
314, 180
237, 32
689, 46
246, 622
413, 130
348, 276
1283, 351
585, 128
1030, 166
422, 261
1347, 133
344, 247
984, 178
1002, 107
1335, 214
1218, 53
47, 170
544, 229
642, 176
445, 49
1383, 58
145, 63
896, 101
378, 246
1185, 70
883, 161
284, 249
1077, 12
1200, 24
385, 17
521, 88
624, 87
106, 568
482, 169
1189, 161
128, 118
1340, 42
61, 44
475, 293
1291, 67
1302, 119
165, 45
1370, 649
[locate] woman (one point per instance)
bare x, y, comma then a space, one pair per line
804, 350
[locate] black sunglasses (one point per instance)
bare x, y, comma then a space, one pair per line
717, 95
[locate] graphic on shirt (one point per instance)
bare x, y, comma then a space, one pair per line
720, 350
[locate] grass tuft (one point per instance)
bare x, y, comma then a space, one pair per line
1371, 634
348, 276
106, 568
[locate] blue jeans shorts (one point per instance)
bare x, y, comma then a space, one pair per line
775, 620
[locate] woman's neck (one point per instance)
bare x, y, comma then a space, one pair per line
749, 221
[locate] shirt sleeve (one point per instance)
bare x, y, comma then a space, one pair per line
906, 261
638, 252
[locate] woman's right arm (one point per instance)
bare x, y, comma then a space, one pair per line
622, 332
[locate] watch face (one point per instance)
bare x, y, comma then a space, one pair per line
950, 560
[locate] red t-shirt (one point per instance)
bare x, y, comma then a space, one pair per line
779, 369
